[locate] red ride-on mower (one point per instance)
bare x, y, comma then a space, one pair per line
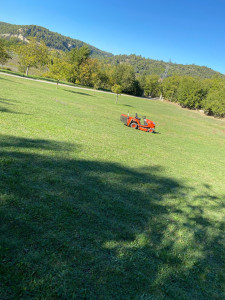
135, 123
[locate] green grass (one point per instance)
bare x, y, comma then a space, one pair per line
92, 209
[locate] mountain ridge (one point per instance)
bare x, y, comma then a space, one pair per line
52, 39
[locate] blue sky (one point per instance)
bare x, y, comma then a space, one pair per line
181, 31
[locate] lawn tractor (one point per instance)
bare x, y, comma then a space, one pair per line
135, 123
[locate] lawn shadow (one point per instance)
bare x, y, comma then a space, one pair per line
85, 229
7, 141
79, 93
5, 110
10, 111
8, 101
126, 105
5, 102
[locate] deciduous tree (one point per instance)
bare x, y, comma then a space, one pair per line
150, 84
191, 92
124, 75
4, 56
59, 69
214, 104
32, 54
117, 89
170, 86
79, 55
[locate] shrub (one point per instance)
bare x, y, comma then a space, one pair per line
214, 104
170, 86
191, 93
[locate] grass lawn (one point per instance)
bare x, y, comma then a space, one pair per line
92, 209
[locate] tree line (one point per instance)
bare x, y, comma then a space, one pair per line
196, 93
77, 66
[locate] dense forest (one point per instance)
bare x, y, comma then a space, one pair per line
149, 66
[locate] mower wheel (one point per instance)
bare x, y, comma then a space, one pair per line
151, 130
134, 125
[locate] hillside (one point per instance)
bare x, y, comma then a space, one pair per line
150, 66
52, 39
92, 209
141, 65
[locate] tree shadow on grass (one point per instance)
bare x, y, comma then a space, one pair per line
79, 93
10, 111
6, 101
7, 141
6, 110
9, 102
127, 105
85, 229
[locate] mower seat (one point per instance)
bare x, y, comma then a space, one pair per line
136, 116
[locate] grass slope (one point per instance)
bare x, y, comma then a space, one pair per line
92, 209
